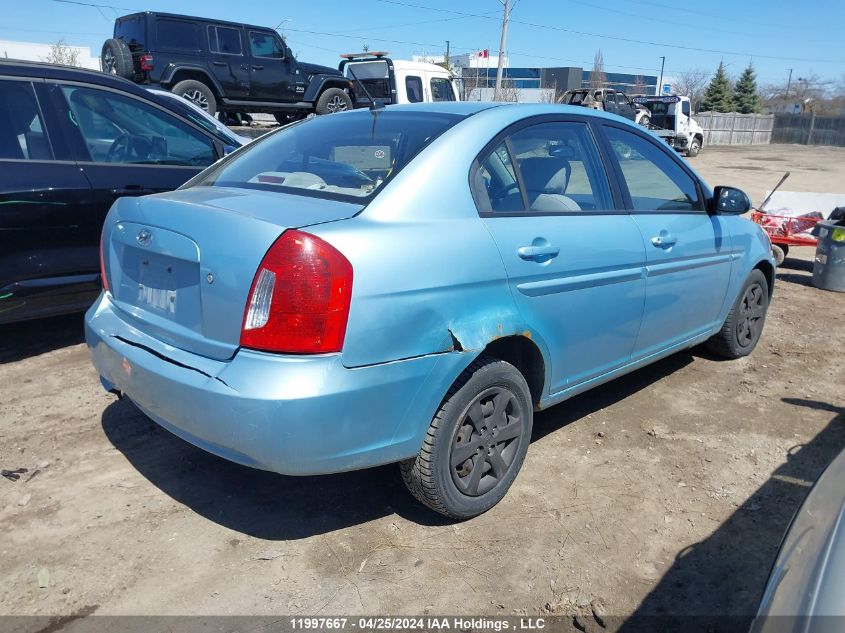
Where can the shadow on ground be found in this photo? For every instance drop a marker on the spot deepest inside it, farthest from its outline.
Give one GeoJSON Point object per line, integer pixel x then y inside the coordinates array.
{"type": "Point", "coordinates": [796, 271]}
{"type": "Point", "coordinates": [722, 578]}
{"type": "Point", "coordinates": [32, 338]}
{"type": "Point", "coordinates": [277, 507]}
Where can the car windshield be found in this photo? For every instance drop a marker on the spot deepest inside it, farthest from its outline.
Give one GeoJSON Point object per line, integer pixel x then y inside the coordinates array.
{"type": "Point", "coordinates": [340, 156]}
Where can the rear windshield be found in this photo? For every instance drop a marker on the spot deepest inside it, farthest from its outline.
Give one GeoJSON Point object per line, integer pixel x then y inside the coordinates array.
{"type": "Point", "coordinates": [341, 156]}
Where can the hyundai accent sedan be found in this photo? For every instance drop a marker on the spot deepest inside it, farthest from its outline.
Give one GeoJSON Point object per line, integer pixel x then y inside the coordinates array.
{"type": "Point", "coordinates": [485, 262]}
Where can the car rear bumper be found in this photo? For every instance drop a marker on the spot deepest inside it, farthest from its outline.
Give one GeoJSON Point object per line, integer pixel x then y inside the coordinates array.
{"type": "Point", "coordinates": [296, 415]}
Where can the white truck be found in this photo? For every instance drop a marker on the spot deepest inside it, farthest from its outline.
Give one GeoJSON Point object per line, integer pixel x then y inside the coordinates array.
{"type": "Point", "coordinates": [671, 120]}
{"type": "Point", "coordinates": [389, 81]}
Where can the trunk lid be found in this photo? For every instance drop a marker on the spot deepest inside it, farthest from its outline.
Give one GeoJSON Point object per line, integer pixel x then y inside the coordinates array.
{"type": "Point", "coordinates": [180, 265]}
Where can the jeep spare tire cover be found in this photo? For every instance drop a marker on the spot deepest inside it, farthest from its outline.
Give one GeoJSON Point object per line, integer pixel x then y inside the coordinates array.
{"type": "Point", "coordinates": [116, 59]}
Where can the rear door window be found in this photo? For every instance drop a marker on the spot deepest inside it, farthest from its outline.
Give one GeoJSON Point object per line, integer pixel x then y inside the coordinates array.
{"type": "Point", "coordinates": [178, 35]}
{"type": "Point", "coordinates": [224, 40]}
{"type": "Point", "coordinates": [22, 134]}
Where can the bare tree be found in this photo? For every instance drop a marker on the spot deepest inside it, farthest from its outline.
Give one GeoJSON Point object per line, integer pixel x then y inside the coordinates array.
{"type": "Point", "coordinates": [597, 77]}
{"type": "Point", "coordinates": [509, 92]}
{"type": "Point", "coordinates": [691, 83]}
{"type": "Point", "coordinates": [639, 86]}
{"type": "Point", "coordinates": [61, 53]}
{"type": "Point", "coordinates": [808, 94]}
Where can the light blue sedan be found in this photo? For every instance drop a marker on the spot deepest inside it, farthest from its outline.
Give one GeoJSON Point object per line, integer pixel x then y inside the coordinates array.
{"type": "Point", "coordinates": [410, 284]}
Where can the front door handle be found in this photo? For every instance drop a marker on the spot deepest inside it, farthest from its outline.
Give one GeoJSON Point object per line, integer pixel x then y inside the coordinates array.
{"type": "Point", "coordinates": [538, 253]}
{"type": "Point", "coordinates": [258, 67]}
{"type": "Point", "coordinates": [664, 240]}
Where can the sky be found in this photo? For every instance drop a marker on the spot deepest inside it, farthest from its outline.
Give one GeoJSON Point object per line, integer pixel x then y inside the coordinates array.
{"type": "Point", "coordinates": [775, 35]}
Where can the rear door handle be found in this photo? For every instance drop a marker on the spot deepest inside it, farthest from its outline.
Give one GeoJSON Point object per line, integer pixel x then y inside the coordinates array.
{"type": "Point", "coordinates": [664, 240]}
{"type": "Point", "coordinates": [131, 190]}
{"type": "Point", "coordinates": [219, 63]}
{"type": "Point", "coordinates": [535, 253]}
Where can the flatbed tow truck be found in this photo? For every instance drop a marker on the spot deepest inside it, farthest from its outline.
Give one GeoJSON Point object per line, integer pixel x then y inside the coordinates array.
{"type": "Point", "coordinates": [671, 120]}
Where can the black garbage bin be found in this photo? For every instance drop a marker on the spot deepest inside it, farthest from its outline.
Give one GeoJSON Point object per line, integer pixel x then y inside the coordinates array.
{"type": "Point", "coordinates": [829, 265]}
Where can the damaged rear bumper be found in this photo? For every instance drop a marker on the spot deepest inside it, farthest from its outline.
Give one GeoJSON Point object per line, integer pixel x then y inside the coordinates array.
{"type": "Point", "coordinates": [295, 415]}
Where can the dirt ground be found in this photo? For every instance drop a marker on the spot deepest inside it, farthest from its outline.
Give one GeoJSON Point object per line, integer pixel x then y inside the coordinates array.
{"type": "Point", "coordinates": [666, 491]}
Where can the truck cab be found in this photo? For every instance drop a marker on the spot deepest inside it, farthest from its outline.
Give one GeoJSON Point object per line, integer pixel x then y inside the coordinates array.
{"type": "Point", "coordinates": [391, 81]}
{"type": "Point", "coordinates": [671, 119]}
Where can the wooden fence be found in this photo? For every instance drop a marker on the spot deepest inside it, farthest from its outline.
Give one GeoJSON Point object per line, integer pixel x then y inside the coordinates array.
{"type": "Point", "coordinates": [732, 128]}
{"type": "Point", "coordinates": [809, 129]}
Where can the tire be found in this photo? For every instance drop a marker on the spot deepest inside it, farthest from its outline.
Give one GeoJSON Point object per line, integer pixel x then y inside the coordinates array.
{"type": "Point", "coordinates": [694, 148]}
{"type": "Point", "coordinates": [744, 325]}
{"type": "Point", "coordinates": [465, 421]}
{"type": "Point", "coordinates": [116, 59]}
{"type": "Point", "coordinates": [198, 93]}
{"type": "Point", "coordinates": [283, 118]}
{"type": "Point", "coordinates": [333, 100]}
{"type": "Point", "coordinates": [645, 121]}
{"type": "Point", "coordinates": [779, 251]}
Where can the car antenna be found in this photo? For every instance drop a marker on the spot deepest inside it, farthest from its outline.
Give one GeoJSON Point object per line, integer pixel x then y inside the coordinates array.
{"type": "Point", "coordinates": [375, 106]}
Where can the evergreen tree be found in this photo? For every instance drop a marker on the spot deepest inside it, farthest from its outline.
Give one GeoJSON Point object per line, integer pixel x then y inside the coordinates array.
{"type": "Point", "coordinates": [745, 92]}
{"type": "Point", "coordinates": [718, 96]}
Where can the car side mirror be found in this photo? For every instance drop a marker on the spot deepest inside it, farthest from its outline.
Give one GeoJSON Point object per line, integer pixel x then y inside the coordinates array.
{"type": "Point", "coordinates": [729, 201]}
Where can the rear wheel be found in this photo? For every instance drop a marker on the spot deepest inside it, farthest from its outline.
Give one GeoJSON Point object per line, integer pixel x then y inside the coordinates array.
{"type": "Point", "coordinates": [744, 325]}
{"type": "Point", "coordinates": [780, 251]}
{"type": "Point", "coordinates": [117, 59]}
{"type": "Point", "coordinates": [333, 100]}
{"type": "Point", "coordinates": [476, 442]}
{"type": "Point", "coordinates": [197, 93]}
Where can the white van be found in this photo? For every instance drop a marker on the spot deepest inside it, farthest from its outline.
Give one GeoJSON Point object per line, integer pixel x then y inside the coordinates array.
{"type": "Point", "coordinates": [396, 81]}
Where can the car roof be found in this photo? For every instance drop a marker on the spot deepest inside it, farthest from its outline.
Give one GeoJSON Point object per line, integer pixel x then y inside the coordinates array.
{"type": "Point", "coordinates": [195, 18]}
{"type": "Point", "coordinates": [508, 110]}
{"type": "Point", "coordinates": [43, 70]}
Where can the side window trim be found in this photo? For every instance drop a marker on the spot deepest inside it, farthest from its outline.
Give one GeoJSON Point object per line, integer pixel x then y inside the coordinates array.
{"type": "Point", "coordinates": [526, 207]}
{"type": "Point", "coordinates": [618, 195]}
{"type": "Point", "coordinates": [673, 156]}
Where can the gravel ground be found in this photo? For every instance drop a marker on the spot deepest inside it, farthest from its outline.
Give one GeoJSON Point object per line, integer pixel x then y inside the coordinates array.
{"type": "Point", "coordinates": [666, 491]}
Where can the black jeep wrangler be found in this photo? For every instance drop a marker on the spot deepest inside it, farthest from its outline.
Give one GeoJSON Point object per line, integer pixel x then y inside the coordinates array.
{"type": "Point", "coordinates": [222, 66]}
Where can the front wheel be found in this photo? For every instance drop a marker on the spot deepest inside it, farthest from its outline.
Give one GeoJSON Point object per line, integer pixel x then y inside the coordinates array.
{"type": "Point", "coordinates": [333, 100]}
{"type": "Point", "coordinates": [476, 442]}
{"type": "Point", "coordinates": [744, 324]}
{"type": "Point", "coordinates": [694, 148]}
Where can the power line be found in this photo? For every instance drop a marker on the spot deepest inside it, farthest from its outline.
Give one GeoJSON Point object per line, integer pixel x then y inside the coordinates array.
{"type": "Point", "coordinates": [615, 37]}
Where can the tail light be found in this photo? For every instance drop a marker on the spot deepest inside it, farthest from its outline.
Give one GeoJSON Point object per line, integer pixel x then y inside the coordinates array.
{"type": "Point", "coordinates": [146, 62]}
{"type": "Point", "coordinates": [103, 277]}
{"type": "Point", "coordinates": [299, 299]}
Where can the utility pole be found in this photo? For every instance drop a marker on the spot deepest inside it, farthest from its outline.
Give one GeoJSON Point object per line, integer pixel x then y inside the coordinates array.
{"type": "Point", "coordinates": [788, 83]}
{"type": "Point", "coordinates": [497, 94]}
{"type": "Point", "coordinates": [447, 56]}
{"type": "Point", "coordinates": [660, 83]}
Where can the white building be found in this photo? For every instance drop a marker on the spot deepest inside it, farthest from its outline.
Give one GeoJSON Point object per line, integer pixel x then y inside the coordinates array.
{"type": "Point", "coordinates": [33, 52]}
{"type": "Point", "coordinates": [480, 59]}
